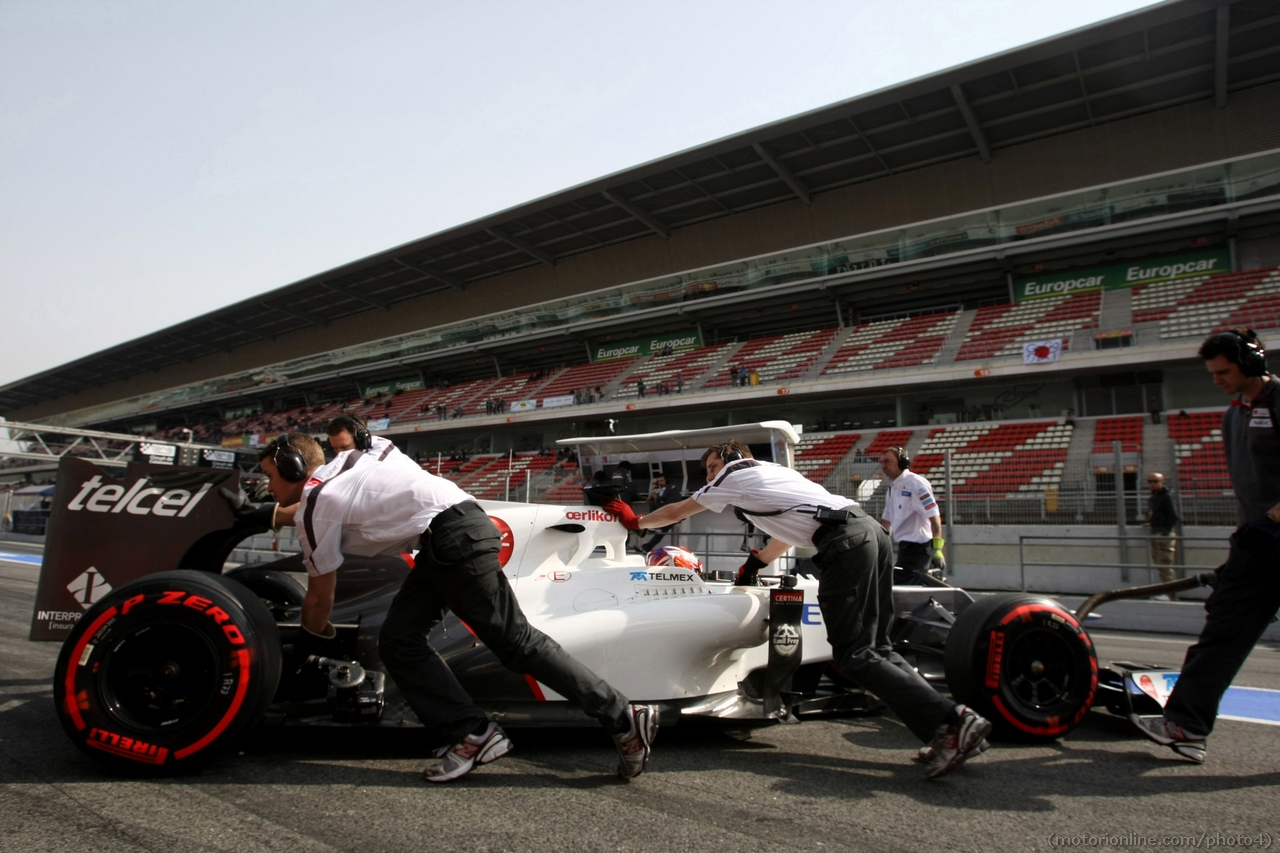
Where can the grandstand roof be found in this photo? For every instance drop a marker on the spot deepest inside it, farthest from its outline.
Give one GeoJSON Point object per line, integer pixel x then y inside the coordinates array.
{"type": "Point", "coordinates": [1162, 56]}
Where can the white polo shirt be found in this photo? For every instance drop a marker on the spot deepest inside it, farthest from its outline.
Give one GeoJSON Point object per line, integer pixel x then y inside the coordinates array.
{"type": "Point", "coordinates": [755, 486]}
{"type": "Point", "coordinates": [357, 505]}
{"type": "Point", "coordinates": [381, 449]}
{"type": "Point", "coordinates": [908, 508]}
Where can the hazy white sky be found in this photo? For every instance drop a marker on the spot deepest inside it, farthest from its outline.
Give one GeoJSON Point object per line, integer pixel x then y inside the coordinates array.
{"type": "Point", "coordinates": [162, 159]}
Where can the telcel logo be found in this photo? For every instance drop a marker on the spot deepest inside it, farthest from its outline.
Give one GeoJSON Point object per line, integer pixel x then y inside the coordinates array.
{"type": "Point", "coordinates": [137, 500]}
{"type": "Point", "coordinates": [589, 515]}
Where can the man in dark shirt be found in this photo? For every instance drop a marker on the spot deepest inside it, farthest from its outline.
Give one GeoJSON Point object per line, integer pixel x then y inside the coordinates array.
{"type": "Point", "coordinates": [660, 495]}
{"type": "Point", "coordinates": [1247, 593]}
{"type": "Point", "coordinates": [1162, 518]}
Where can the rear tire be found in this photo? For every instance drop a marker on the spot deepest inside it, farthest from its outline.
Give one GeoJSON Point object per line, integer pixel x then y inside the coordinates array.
{"type": "Point", "coordinates": [165, 671]}
{"type": "Point", "coordinates": [1023, 662]}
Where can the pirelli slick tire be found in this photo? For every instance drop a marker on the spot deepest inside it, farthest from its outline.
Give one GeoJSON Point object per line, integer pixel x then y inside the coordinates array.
{"type": "Point", "coordinates": [1024, 663]}
{"type": "Point", "coordinates": [165, 671]}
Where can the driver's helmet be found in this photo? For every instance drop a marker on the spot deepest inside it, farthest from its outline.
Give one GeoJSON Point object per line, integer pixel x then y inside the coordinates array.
{"type": "Point", "coordinates": [675, 557]}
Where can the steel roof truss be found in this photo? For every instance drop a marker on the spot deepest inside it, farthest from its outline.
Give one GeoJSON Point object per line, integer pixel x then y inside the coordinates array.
{"type": "Point", "coordinates": [975, 130]}
{"type": "Point", "coordinates": [443, 278]}
{"type": "Point", "coordinates": [651, 222]}
{"type": "Point", "coordinates": [784, 173]}
{"type": "Point", "coordinates": [520, 245]}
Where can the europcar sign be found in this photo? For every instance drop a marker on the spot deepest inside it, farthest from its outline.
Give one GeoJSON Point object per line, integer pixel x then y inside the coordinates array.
{"type": "Point", "coordinates": [677, 341]}
{"type": "Point", "coordinates": [1149, 271]}
{"type": "Point", "coordinates": [105, 531]}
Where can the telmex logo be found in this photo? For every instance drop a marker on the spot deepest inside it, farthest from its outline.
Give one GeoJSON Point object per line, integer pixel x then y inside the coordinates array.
{"type": "Point", "coordinates": [138, 500]}
{"type": "Point", "coordinates": [590, 515]}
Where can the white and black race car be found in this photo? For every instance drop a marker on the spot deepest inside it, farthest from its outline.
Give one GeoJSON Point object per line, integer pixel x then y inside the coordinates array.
{"type": "Point", "coordinates": [175, 655]}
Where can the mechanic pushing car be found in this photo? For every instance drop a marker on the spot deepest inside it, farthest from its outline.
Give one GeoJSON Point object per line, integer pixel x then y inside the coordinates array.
{"type": "Point", "coordinates": [855, 590]}
{"type": "Point", "coordinates": [1247, 593]}
{"type": "Point", "coordinates": [359, 506]}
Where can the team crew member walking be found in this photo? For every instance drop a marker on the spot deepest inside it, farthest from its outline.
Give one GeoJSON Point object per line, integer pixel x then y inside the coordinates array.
{"type": "Point", "coordinates": [356, 505]}
{"type": "Point", "coordinates": [1247, 592]}
{"type": "Point", "coordinates": [854, 589]}
{"type": "Point", "coordinates": [911, 515]}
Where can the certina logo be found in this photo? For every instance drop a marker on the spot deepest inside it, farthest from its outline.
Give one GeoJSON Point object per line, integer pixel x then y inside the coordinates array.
{"type": "Point", "coordinates": [589, 515]}
{"type": "Point", "coordinates": [89, 587]}
{"type": "Point", "coordinates": [138, 499]}
{"type": "Point", "coordinates": [786, 639]}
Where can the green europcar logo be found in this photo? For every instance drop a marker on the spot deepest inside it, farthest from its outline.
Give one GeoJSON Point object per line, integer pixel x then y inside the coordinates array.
{"type": "Point", "coordinates": [1149, 271]}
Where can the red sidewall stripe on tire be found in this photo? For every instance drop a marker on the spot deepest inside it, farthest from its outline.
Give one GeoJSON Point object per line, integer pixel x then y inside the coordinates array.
{"type": "Point", "coordinates": [1035, 730]}
{"type": "Point", "coordinates": [242, 663]}
{"type": "Point", "coordinates": [73, 710]}
{"type": "Point", "coordinates": [1025, 611]}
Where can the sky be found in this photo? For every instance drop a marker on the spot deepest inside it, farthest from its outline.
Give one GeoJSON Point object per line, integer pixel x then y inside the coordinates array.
{"type": "Point", "coordinates": [162, 159]}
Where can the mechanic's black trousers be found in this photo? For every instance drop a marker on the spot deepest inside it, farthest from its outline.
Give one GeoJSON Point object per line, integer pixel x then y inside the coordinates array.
{"type": "Point", "coordinates": [1238, 611]}
{"type": "Point", "coordinates": [457, 569]}
{"type": "Point", "coordinates": [855, 593]}
{"type": "Point", "coordinates": [913, 559]}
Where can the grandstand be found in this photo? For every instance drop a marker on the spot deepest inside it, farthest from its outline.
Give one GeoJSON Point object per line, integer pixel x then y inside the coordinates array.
{"type": "Point", "coordinates": [869, 266]}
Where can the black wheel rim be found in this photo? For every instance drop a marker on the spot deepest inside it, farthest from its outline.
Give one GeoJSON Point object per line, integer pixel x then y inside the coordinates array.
{"type": "Point", "coordinates": [160, 677]}
{"type": "Point", "coordinates": [1042, 671]}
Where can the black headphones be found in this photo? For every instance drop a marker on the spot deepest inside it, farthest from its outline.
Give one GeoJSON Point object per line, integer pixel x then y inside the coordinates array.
{"type": "Point", "coordinates": [358, 431]}
{"type": "Point", "coordinates": [1248, 351]}
{"type": "Point", "coordinates": [728, 453]}
{"type": "Point", "coordinates": [288, 461]}
{"type": "Point", "coordinates": [904, 461]}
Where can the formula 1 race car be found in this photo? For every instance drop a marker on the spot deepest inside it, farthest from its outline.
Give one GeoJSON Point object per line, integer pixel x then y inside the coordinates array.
{"type": "Point", "coordinates": [173, 657]}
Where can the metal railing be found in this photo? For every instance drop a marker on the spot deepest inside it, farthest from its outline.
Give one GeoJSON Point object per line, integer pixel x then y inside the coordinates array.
{"type": "Point", "coordinates": [1123, 547]}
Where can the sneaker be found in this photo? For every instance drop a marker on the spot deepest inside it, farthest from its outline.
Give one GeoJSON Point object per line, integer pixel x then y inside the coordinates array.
{"type": "Point", "coordinates": [635, 745]}
{"type": "Point", "coordinates": [926, 751]}
{"type": "Point", "coordinates": [460, 758]}
{"type": "Point", "coordinates": [1160, 598]}
{"type": "Point", "coordinates": [953, 744]}
{"type": "Point", "coordinates": [1162, 731]}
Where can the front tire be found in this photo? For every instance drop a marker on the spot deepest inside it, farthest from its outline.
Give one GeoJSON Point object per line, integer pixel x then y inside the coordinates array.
{"type": "Point", "coordinates": [165, 671]}
{"type": "Point", "coordinates": [1025, 663]}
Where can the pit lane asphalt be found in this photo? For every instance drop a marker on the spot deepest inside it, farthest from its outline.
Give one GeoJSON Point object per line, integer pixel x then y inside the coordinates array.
{"type": "Point", "coordinates": [845, 784]}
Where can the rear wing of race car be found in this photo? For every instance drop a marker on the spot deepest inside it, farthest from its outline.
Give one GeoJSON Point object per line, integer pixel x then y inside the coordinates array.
{"type": "Point", "coordinates": [105, 530]}
{"type": "Point", "coordinates": [772, 441]}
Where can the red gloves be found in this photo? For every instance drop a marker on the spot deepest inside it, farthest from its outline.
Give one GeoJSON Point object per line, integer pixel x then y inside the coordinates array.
{"type": "Point", "coordinates": [748, 571]}
{"type": "Point", "coordinates": [626, 517]}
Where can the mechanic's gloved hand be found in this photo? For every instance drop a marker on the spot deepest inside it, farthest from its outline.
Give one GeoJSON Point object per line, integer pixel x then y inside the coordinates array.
{"type": "Point", "coordinates": [626, 516]}
{"type": "Point", "coordinates": [750, 570]}
{"type": "Point", "coordinates": [259, 515]}
{"type": "Point", "coordinates": [310, 644]}
{"type": "Point", "coordinates": [937, 560]}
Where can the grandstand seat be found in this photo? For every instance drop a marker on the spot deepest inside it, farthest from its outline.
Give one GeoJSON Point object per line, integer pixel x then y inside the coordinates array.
{"type": "Point", "coordinates": [999, 331]}
{"type": "Point", "coordinates": [582, 376]}
{"type": "Point", "coordinates": [689, 365]}
{"type": "Point", "coordinates": [817, 455]}
{"type": "Point", "coordinates": [1127, 430]}
{"type": "Point", "coordinates": [903, 342]}
{"type": "Point", "coordinates": [1202, 463]}
{"type": "Point", "coordinates": [776, 358]}
{"type": "Point", "coordinates": [1196, 307]}
{"type": "Point", "coordinates": [998, 460]}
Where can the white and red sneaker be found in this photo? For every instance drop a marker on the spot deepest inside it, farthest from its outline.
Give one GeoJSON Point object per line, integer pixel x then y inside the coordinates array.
{"type": "Point", "coordinates": [1170, 734]}
{"type": "Point", "coordinates": [635, 746]}
{"type": "Point", "coordinates": [459, 759]}
{"type": "Point", "coordinates": [953, 744]}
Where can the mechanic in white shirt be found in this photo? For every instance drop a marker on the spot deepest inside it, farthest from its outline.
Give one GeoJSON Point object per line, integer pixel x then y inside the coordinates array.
{"type": "Point", "coordinates": [357, 505]}
{"type": "Point", "coordinates": [911, 515]}
{"type": "Point", "coordinates": [855, 590]}
{"type": "Point", "coordinates": [348, 433]}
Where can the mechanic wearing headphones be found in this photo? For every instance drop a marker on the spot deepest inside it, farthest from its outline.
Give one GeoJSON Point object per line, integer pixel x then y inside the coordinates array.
{"type": "Point", "coordinates": [348, 433]}
{"type": "Point", "coordinates": [1247, 592]}
{"type": "Point", "coordinates": [357, 505]}
{"type": "Point", "coordinates": [854, 588]}
{"type": "Point", "coordinates": [911, 515]}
